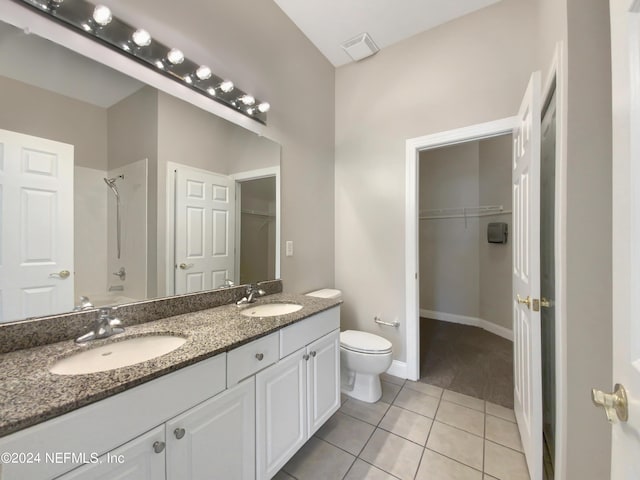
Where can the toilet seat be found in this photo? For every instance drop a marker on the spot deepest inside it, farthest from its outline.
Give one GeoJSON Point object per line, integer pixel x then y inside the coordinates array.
{"type": "Point", "coordinates": [363, 342]}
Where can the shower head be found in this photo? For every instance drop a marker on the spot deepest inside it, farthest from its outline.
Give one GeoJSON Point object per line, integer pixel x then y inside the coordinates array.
{"type": "Point", "coordinates": [111, 183]}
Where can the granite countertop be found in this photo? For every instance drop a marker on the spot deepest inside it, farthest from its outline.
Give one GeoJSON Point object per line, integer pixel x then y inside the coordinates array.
{"type": "Point", "coordinates": [30, 394]}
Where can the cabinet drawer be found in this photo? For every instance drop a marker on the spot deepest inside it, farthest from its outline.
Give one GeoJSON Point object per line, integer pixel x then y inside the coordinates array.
{"type": "Point", "coordinates": [296, 336]}
{"type": "Point", "coordinates": [251, 358]}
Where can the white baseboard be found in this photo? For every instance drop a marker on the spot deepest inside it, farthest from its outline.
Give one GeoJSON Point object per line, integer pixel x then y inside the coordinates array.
{"type": "Point", "coordinates": [472, 321]}
{"type": "Point", "coordinates": [398, 369]}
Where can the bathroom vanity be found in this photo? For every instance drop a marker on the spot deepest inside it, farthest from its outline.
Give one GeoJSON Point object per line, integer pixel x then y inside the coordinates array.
{"type": "Point", "coordinates": [236, 401]}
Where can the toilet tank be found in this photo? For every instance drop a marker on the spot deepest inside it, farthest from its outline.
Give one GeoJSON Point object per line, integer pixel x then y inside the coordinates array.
{"type": "Point", "coordinates": [326, 293]}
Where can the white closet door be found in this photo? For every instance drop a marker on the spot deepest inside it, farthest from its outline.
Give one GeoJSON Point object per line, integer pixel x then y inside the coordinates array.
{"type": "Point", "coordinates": [526, 277]}
{"type": "Point", "coordinates": [205, 230]}
{"type": "Point", "coordinates": [36, 226]}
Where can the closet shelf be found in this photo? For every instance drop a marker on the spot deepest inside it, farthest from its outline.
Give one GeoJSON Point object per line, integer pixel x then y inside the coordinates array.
{"type": "Point", "coordinates": [464, 212]}
{"type": "Point", "coordinates": [257, 213]}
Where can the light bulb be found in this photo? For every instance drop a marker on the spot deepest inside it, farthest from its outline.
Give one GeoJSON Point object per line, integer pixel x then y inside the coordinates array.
{"type": "Point", "coordinates": [226, 86]}
{"type": "Point", "coordinates": [247, 99]}
{"type": "Point", "coordinates": [175, 56]}
{"type": "Point", "coordinates": [264, 107]}
{"type": "Point", "coordinates": [203, 72]}
{"type": "Point", "coordinates": [141, 38]}
{"type": "Point", "coordinates": [102, 15]}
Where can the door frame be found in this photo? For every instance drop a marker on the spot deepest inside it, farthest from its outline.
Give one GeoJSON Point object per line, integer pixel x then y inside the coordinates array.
{"type": "Point", "coordinates": [556, 78]}
{"type": "Point", "coordinates": [257, 174]}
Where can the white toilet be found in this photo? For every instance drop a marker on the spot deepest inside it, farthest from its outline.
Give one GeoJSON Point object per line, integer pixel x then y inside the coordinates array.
{"type": "Point", "coordinates": [363, 357]}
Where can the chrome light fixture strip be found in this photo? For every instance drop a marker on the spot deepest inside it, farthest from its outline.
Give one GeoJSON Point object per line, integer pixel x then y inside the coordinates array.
{"type": "Point", "coordinates": [82, 16]}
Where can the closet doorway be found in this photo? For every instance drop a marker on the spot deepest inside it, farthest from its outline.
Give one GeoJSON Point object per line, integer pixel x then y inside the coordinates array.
{"type": "Point", "coordinates": [465, 265]}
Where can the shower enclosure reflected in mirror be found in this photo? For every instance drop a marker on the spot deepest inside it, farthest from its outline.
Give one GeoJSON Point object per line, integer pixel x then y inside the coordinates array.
{"type": "Point", "coordinates": [68, 125]}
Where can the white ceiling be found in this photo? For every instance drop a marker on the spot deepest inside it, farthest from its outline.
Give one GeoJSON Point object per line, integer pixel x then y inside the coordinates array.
{"type": "Point", "coordinates": [328, 23]}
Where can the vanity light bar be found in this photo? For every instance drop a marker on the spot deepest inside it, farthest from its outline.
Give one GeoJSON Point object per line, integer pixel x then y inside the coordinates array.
{"type": "Point", "coordinates": [99, 23]}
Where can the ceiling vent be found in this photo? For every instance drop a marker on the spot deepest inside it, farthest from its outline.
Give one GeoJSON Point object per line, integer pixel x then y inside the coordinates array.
{"type": "Point", "coordinates": [359, 47]}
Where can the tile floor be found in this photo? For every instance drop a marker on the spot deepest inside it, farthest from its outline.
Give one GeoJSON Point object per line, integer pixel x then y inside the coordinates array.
{"type": "Point", "coordinates": [416, 431]}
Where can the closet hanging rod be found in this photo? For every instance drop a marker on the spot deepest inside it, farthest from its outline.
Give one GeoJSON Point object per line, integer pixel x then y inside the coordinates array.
{"type": "Point", "coordinates": [464, 212]}
{"type": "Point", "coordinates": [257, 213]}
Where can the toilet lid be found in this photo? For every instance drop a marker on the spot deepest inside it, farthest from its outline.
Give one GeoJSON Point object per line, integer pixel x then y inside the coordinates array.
{"type": "Point", "coordinates": [364, 342]}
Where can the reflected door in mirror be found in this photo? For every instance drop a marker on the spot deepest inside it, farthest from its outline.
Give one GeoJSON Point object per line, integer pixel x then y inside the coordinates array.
{"type": "Point", "coordinates": [204, 230]}
{"type": "Point", "coordinates": [36, 196]}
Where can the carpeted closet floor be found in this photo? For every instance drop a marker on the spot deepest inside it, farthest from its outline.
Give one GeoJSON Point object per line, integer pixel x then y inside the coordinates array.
{"type": "Point", "coordinates": [467, 360]}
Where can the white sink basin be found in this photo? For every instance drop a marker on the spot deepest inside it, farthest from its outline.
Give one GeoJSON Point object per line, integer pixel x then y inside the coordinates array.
{"type": "Point", "coordinates": [270, 309]}
{"type": "Point", "coordinates": [117, 354]}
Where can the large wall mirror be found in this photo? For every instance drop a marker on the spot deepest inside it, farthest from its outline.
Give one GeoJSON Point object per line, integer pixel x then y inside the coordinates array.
{"type": "Point", "coordinates": [115, 191]}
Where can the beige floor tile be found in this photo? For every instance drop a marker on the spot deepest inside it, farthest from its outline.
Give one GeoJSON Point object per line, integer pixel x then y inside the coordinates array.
{"type": "Point", "coordinates": [487, 477]}
{"type": "Point", "coordinates": [363, 471]}
{"type": "Point", "coordinates": [464, 400]}
{"type": "Point", "coordinates": [417, 402]}
{"type": "Point", "coordinates": [424, 388]}
{"type": "Point", "coordinates": [367, 412]}
{"type": "Point", "coordinates": [346, 432]}
{"type": "Point", "coordinates": [500, 411]}
{"type": "Point", "coordinates": [389, 392]}
{"type": "Point", "coordinates": [504, 463]}
{"type": "Point", "coordinates": [456, 444]}
{"type": "Point", "coordinates": [282, 475]}
{"type": "Point", "coordinates": [407, 424]}
{"type": "Point", "coordinates": [392, 379]}
{"type": "Point", "coordinates": [393, 454]}
{"type": "Point", "coordinates": [461, 417]}
{"type": "Point", "coordinates": [319, 460]}
{"type": "Point", "coordinates": [437, 467]}
{"type": "Point", "coordinates": [503, 432]}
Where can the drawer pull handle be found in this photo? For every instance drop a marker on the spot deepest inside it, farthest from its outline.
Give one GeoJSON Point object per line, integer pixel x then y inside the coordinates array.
{"type": "Point", "coordinates": [313, 353]}
{"type": "Point", "coordinates": [179, 433]}
{"type": "Point", "coordinates": [158, 447]}
{"type": "Point", "coordinates": [259, 356]}
{"type": "Point", "coordinates": [305, 356]}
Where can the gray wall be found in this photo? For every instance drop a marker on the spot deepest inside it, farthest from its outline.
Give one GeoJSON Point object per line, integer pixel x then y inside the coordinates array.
{"type": "Point", "coordinates": [34, 111]}
{"type": "Point", "coordinates": [471, 70]}
{"type": "Point", "coordinates": [274, 61]}
{"type": "Point", "coordinates": [460, 272]}
{"type": "Point", "coordinates": [449, 248]}
{"type": "Point", "coordinates": [495, 259]}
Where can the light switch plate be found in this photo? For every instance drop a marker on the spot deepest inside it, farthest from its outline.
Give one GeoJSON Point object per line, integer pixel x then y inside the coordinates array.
{"type": "Point", "coordinates": [288, 247]}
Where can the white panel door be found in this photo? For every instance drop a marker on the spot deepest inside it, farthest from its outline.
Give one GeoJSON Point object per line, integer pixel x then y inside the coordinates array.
{"type": "Point", "coordinates": [526, 277]}
{"type": "Point", "coordinates": [323, 380]}
{"type": "Point", "coordinates": [135, 460]}
{"type": "Point", "coordinates": [216, 439]}
{"type": "Point", "coordinates": [281, 413]}
{"type": "Point", "coordinates": [36, 226]}
{"type": "Point", "coordinates": [204, 230]}
{"type": "Point", "coordinates": [625, 65]}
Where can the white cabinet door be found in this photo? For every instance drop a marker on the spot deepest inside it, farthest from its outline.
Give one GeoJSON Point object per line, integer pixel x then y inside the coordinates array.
{"type": "Point", "coordinates": [139, 459]}
{"type": "Point", "coordinates": [281, 413]}
{"type": "Point", "coordinates": [216, 439]}
{"type": "Point", "coordinates": [323, 380]}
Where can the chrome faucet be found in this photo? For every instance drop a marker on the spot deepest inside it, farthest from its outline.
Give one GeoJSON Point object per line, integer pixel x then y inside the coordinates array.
{"type": "Point", "coordinates": [250, 297]}
{"type": "Point", "coordinates": [85, 304]}
{"type": "Point", "coordinates": [105, 325]}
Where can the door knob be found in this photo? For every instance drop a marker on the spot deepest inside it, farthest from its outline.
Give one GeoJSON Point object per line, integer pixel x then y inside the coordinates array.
{"type": "Point", "coordinates": [61, 274]}
{"type": "Point", "coordinates": [259, 356]}
{"type": "Point", "coordinates": [185, 266]}
{"type": "Point", "coordinates": [524, 301]}
{"type": "Point", "coordinates": [546, 303]}
{"type": "Point", "coordinates": [179, 433]}
{"type": "Point", "coordinates": [615, 404]}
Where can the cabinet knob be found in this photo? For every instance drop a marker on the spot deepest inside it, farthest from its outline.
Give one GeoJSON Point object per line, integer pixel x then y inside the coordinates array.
{"type": "Point", "coordinates": [259, 356]}
{"type": "Point", "coordinates": [313, 353]}
{"type": "Point", "coordinates": [179, 433]}
{"type": "Point", "coordinates": [305, 356]}
{"type": "Point", "coordinates": [158, 446]}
